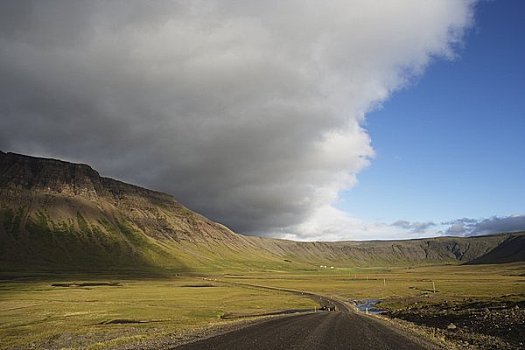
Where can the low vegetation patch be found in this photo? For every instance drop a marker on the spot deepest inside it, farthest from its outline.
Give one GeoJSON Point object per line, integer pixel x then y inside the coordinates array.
{"type": "Point", "coordinates": [87, 284]}
{"type": "Point", "coordinates": [124, 321]}
{"type": "Point", "coordinates": [201, 285]}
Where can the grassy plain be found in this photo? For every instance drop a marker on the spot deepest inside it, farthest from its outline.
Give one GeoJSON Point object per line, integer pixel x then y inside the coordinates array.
{"type": "Point", "coordinates": [399, 286]}
{"type": "Point", "coordinates": [35, 313]}
{"type": "Point", "coordinates": [96, 317]}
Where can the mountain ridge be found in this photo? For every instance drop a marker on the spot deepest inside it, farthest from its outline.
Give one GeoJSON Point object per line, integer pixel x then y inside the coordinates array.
{"type": "Point", "coordinates": [55, 214]}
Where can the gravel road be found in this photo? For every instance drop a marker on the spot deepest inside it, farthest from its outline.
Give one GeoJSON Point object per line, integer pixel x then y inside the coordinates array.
{"type": "Point", "coordinates": [336, 330]}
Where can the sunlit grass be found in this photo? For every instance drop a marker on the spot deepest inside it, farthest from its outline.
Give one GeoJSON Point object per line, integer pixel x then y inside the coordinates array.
{"type": "Point", "coordinates": [405, 285]}
{"type": "Point", "coordinates": [32, 312]}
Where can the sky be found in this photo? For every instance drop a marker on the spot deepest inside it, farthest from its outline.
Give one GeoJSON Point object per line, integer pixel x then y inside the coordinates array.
{"type": "Point", "coordinates": [296, 119]}
{"type": "Point", "coordinates": [461, 148]}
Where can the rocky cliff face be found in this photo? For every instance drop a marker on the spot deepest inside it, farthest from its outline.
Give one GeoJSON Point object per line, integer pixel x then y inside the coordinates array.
{"type": "Point", "coordinates": [48, 175]}
{"type": "Point", "coordinates": [59, 215]}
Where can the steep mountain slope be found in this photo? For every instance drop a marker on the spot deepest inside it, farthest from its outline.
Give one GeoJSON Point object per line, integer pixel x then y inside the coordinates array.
{"type": "Point", "coordinates": [511, 249]}
{"type": "Point", "coordinates": [55, 213]}
{"type": "Point", "coordinates": [59, 215]}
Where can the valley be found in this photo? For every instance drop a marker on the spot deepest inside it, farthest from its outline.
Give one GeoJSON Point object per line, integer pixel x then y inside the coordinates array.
{"type": "Point", "coordinates": [88, 262]}
{"type": "Point", "coordinates": [79, 311]}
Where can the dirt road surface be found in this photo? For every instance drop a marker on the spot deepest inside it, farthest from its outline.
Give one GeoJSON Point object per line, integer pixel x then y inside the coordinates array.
{"type": "Point", "coordinates": [336, 330]}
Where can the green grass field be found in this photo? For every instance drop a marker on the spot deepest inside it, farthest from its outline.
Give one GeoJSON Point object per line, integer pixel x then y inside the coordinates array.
{"type": "Point", "coordinates": [35, 313]}
{"type": "Point", "coordinates": [452, 282]}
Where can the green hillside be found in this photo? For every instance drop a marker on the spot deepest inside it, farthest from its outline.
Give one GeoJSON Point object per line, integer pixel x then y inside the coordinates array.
{"type": "Point", "coordinates": [56, 215]}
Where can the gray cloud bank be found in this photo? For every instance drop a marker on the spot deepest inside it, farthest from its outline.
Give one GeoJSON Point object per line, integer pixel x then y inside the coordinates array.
{"type": "Point", "coordinates": [459, 227]}
{"type": "Point", "coordinates": [249, 112]}
{"type": "Point", "coordinates": [496, 224]}
{"type": "Point", "coordinates": [413, 226]}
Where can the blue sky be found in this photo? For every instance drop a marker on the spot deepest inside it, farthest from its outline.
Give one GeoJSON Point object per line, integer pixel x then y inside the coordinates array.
{"type": "Point", "coordinates": [452, 144]}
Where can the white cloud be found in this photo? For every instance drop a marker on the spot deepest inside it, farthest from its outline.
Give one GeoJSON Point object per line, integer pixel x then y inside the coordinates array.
{"type": "Point", "coordinates": [330, 224]}
{"type": "Point", "coordinates": [249, 112]}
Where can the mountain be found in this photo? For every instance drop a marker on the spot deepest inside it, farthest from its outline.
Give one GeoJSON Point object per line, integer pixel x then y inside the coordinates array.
{"type": "Point", "coordinates": [511, 249]}
{"type": "Point", "coordinates": [59, 214]}
{"type": "Point", "coordinates": [56, 215]}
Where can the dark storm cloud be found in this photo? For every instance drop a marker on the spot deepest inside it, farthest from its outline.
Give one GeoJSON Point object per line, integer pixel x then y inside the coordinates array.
{"type": "Point", "coordinates": [248, 112]}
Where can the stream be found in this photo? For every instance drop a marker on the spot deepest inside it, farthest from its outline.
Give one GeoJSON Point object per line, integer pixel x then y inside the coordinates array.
{"type": "Point", "coordinates": [368, 304]}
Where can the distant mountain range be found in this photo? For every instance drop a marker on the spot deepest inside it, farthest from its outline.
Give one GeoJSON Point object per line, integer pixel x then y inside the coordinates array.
{"type": "Point", "coordinates": [56, 215]}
